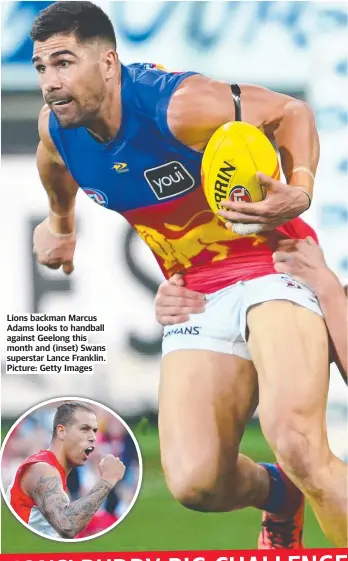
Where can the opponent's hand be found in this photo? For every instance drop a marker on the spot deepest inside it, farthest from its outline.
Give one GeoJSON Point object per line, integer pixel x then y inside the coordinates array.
{"type": "Point", "coordinates": [111, 469]}
{"type": "Point", "coordinates": [54, 250]}
{"type": "Point", "coordinates": [303, 260]}
{"type": "Point", "coordinates": [281, 204]}
{"type": "Point", "coordinates": [174, 303]}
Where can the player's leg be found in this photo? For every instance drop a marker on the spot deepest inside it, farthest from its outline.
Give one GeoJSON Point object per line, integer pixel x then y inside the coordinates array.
{"type": "Point", "coordinates": [289, 347]}
{"type": "Point", "coordinates": [205, 400]}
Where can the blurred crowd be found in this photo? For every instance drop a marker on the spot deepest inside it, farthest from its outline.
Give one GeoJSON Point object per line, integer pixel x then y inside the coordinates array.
{"type": "Point", "coordinates": [34, 433]}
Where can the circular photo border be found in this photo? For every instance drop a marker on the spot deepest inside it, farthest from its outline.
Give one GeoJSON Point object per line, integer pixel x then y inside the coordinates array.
{"type": "Point", "coordinates": [137, 447]}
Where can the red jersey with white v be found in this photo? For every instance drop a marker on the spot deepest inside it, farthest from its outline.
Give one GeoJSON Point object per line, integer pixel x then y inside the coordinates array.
{"type": "Point", "coordinates": [22, 504]}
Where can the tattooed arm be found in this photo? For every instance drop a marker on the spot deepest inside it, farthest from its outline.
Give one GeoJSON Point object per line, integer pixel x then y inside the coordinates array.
{"type": "Point", "coordinates": [43, 484]}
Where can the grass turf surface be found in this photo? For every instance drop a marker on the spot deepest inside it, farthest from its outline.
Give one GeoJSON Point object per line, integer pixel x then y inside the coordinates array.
{"type": "Point", "coordinates": [157, 522]}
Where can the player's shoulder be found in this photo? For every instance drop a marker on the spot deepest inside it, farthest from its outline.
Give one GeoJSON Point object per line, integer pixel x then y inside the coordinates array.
{"type": "Point", "coordinates": [46, 142]}
{"type": "Point", "coordinates": [198, 106]}
{"type": "Point", "coordinates": [42, 467]}
{"type": "Point", "coordinates": [200, 91]}
{"type": "Point", "coordinates": [40, 472]}
{"type": "Point", "coordinates": [152, 85]}
{"type": "Point", "coordinates": [44, 128]}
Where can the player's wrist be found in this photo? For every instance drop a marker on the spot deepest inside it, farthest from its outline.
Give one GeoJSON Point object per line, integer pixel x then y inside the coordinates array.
{"type": "Point", "coordinates": [303, 179]}
{"type": "Point", "coordinates": [61, 224]}
{"type": "Point", "coordinates": [109, 482]}
{"type": "Point", "coordinates": [324, 282]}
{"type": "Point", "coordinates": [306, 192]}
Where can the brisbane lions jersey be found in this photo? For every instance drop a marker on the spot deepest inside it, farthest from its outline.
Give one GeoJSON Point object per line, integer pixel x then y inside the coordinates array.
{"type": "Point", "coordinates": [146, 174]}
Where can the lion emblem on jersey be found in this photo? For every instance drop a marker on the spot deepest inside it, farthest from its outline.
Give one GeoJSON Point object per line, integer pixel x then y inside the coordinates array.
{"type": "Point", "coordinates": [177, 253]}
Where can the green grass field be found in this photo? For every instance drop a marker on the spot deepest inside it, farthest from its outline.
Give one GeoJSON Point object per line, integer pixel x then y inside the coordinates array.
{"type": "Point", "coordinates": [157, 522]}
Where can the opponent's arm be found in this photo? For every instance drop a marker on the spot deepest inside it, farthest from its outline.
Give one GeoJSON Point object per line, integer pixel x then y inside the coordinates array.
{"type": "Point", "coordinates": [201, 105]}
{"type": "Point", "coordinates": [43, 484]}
{"type": "Point", "coordinates": [304, 260]}
{"type": "Point", "coordinates": [174, 303]}
{"type": "Point", "coordinates": [333, 302]}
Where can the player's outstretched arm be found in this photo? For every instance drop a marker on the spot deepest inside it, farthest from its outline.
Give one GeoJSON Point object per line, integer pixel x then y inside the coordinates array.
{"type": "Point", "coordinates": [304, 260]}
{"type": "Point", "coordinates": [201, 105]}
{"type": "Point", "coordinates": [43, 484]}
{"type": "Point", "coordinates": [54, 239]}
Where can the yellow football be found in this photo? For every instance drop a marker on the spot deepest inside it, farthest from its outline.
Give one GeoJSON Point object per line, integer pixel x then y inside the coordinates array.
{"type": "Point", "coordinates": [233, 155]}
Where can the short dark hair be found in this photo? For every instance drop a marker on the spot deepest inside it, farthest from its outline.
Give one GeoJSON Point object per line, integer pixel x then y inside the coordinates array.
{"type": "Point", "coordinates": [84, 19]}
{"type": "Point", "coordinates": [65, 414]}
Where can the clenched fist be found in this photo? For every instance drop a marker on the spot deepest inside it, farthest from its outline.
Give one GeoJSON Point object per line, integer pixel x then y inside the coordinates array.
{"type": "Point", "coordinates": [54, 250]}
{"type": "Point", "coordinates": [111, 469]}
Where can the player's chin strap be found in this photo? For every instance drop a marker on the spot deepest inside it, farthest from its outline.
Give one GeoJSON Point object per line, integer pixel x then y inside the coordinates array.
{"type": "Point", "coordinates": [236, 100]}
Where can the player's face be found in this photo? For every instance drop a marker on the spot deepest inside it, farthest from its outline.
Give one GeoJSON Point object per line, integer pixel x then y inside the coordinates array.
{"type": "Point", "coordinates": [72, 78]}
{"type": "Point", "coordinates": [79, 438]}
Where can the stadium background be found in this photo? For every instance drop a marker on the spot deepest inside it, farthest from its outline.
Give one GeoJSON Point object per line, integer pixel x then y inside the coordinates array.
{"type": "Point", "coordinates": [294, 47]}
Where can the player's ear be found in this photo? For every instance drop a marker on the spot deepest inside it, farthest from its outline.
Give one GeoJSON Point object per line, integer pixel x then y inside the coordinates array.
{"type": "Point", "coordinates": [110, 61]}
{"type": "Point", "coordinates": [61, 432]}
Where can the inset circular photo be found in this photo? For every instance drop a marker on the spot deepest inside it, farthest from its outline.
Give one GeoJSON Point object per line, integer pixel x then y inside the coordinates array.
{"type": "Point", "coordinates": [71, 469]}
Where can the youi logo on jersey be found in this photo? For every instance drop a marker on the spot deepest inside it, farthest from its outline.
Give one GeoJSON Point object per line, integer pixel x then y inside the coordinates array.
{"type": "Point", "coordinates": [169, 180]}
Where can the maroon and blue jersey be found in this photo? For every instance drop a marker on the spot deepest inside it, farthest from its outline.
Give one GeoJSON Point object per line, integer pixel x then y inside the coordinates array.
{"type": "Point", "coordinates": [146, 174]}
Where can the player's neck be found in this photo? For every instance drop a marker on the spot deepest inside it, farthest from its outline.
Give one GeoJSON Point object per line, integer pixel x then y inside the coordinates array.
{"type": "Point", "coordinates": [107, 123]}
{"type": "Point", "coordinates": [57, 450]}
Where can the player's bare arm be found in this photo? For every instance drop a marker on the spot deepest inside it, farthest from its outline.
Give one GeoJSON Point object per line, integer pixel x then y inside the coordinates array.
{"type": "Point", "coordinates": [304, 260]}
{"type": "Point", "coordinates": [54, 239]}
{"type": "Point", "coordinates": [56, 179]}
{"type": "Point", "coordinates": [43, 484]}
{"type": "Point", "coordinates": [201, 105]}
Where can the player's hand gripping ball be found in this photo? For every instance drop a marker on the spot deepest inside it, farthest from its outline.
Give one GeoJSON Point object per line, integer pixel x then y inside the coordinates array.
{"type": "Point", "coordinates": [233, 155]}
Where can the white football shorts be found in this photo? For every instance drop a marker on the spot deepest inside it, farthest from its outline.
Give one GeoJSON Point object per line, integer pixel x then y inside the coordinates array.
{"type": "Point", "coordinates": [222, 327]}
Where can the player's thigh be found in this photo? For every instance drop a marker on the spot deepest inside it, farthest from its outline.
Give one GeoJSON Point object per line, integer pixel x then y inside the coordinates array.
{"type": "Point", "coordinates": [289, 347]}
{"type": "Point", "coordinates": [205, 401]}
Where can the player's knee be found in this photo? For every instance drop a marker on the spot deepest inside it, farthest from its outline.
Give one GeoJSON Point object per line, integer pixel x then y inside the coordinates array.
{"type": "Point", "coordinates": [293, 446]}
{"type": "Point", "coordinates": [192, 494]}
{"type": "Point", "coordinates": [197, 489]}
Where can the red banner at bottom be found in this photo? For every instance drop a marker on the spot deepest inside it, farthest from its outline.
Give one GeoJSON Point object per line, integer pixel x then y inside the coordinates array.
{"type": "Point", "coordinates": [226, 555]}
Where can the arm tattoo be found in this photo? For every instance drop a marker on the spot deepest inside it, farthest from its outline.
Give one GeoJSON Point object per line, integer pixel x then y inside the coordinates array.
{"type": "Point", "coordinates": [67, 518]}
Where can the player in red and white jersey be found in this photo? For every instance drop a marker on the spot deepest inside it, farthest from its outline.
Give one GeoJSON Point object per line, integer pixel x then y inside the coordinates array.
{"type": "Point", "coordinates": [38, 491]}
{"type": "Point", "coordinates": [23, 504]}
